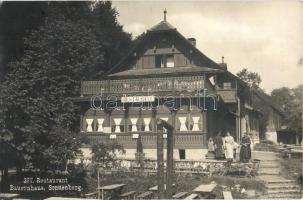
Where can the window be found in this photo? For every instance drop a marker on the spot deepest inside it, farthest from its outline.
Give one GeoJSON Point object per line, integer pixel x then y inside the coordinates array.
{"type": "Point", "coordinates": [227, 85]}
{"type": "Point", "coordinates": [164, 61]}
{"type": "Point", "coordinates": [117, 125]}
{"type": "Point", "coordinates": [170, 61]}
{"type": "Point", "coordinates": [183, 123]}
{"type": "Point", "coordinates": [159, 61]}
{"type": "Point", "coordinates": [182, 154]}
{"type": "Point", "coordinates": [89, 125]}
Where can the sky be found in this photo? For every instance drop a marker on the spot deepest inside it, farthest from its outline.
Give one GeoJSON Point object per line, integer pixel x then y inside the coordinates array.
{"type": "Point", "coordinates": [264, 36]}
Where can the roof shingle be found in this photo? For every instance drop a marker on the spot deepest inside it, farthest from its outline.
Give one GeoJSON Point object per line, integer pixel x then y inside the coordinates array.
{"type": "Point", "coordinates": [162, 26]}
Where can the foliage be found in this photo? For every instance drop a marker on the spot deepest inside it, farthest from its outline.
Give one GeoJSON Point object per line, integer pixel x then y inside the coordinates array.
{"type": "Point", "coordinates": [77, 175]}
{"type": "Point", "coordinates": [39, 116]}
{"type": "Point", "coordinates": [110, 33]}
{"type": "Point", "coordinates": [253, 79]}
{"type": "Point", "coordinates": [105, 154]}
{"type": "Point", "coordinates": [292, 168]}
{"type": "Point", "coordinates": [141, 183]}
{"type": "Point", "coordinates": [49, 47]}
{"type": "Point", "coordinates": [16, 20]}
{"type": "Point", "coordinates": [291, 101]}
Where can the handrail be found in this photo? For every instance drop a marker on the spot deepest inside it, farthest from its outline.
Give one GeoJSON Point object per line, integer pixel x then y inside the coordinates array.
{"type": "Point", "coordinates": [193, 83]}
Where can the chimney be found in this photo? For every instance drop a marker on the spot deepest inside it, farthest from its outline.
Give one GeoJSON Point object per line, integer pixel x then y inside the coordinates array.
{"type": "Point", "coordinates": [223, 64]}
{"type": "Point", "coordinates": [192, 41]}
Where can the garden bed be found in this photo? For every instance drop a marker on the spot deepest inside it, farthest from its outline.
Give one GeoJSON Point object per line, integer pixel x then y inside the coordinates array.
{"type": "Point", "coordinates": [187, 183]}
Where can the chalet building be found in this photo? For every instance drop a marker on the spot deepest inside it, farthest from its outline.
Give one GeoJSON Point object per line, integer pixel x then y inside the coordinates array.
{"type": "Point", "coordinates": [166, 77]}
{"type": "Point", "coordinates": [275, 130]}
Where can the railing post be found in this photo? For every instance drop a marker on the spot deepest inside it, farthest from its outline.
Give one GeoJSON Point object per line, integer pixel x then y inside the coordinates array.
{"type": "Point", "coordinates": [170, 156]}
{"type": "Point", "coordinates": [160, 163]}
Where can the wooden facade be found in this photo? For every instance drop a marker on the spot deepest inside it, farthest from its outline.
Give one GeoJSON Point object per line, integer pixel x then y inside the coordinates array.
{"type": "Point", "coordinates": [174, 80]}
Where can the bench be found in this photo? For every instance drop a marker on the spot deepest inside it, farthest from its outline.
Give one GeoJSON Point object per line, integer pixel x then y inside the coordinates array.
{"type": "Point", "coordinates": [67, 198]}
{"type": "Point", "coordinates": [227, 195]}
{"type": "Point", "coordinates": [128, 195]}
{"type": "Point", "coordinates": [92, 194]}
{"type": "Point", "coordinates": [180, 195]}
{"type": "Point", "coordinates": [8, 195]}
{"type": "Point", "coordinates": [192, 196]}
{"type": "Point", "coordinates": [145, 195]}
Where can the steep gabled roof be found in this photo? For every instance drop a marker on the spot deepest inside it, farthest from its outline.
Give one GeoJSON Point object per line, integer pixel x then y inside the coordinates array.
{"type": "Point", "coordinates": [268, 100]}
{"type": "Point", "coordinates": [163, 26]}
{"type": "Point", "coordinates": [258, 93]}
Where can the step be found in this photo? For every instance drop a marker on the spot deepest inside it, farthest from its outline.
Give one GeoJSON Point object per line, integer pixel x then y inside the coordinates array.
{"type": "Point", "coordinates": [281, 186]}
{"type": "Point", "coordinates": [268, 172]}
{"type": "Point", "coordinates": [269, 165]}
{"type": "Point", "coordinates": [271, 179]}
{"type": "Point", "coordinates": [266, 161]}
{"type": "Point", "coordinates": [264, 153]}
{"type": "Point", "coordinates": [279, 181]}
{"type": "Point", "coordinates": [284, 196]}
{"type": "Point", "coordinates": [284, 191]}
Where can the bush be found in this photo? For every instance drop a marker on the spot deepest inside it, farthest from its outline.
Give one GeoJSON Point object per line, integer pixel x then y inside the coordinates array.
{"type": "Point", "coordinates": [292, 168]}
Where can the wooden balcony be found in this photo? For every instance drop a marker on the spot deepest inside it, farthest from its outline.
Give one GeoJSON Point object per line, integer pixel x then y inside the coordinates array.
{"type": "Point", "coordinates": [146, 85]}
{"type": "Point", "coordinates": [228, 95]}
{"type": "Point", "coordinates": [190, 140]}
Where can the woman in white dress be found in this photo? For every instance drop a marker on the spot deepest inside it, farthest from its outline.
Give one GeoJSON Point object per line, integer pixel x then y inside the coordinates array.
{"type": "Point", "coordinates": [229, 146]}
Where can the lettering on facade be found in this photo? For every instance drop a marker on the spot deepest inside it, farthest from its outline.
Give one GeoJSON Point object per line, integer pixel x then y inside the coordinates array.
{"type": "Point", "coordinates": [131, 99]}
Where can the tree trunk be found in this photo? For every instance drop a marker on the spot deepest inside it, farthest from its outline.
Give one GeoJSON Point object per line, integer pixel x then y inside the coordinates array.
{"type": "Point", "coordinates": [18, 171]}
{"type": "Point", "coordinates": [4, 180]}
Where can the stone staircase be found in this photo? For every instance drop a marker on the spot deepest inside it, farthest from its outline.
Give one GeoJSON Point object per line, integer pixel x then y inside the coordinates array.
{"type": "Point", "coordinates": [277, 187]}
{"type": "Point", "coordinates": [269, 167]}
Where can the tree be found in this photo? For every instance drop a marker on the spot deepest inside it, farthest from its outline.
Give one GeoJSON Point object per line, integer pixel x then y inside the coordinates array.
{"type": "Point", "coordinates": [253, 79]}
{"type": "Point", "coordinates": [61, 44]}
{"type": "Point", "coordinates": [16, 20]}
{"type": "Point", "coordinates": [282, 96]}
{"type": "Point", "coordinates": [40, 116]}
{"type": "Point", "coordinates": [105, 154]}
{"type": "Point", "coordinates": [110, 33]}
{"type": "Point", "coordinates": [291, 101]}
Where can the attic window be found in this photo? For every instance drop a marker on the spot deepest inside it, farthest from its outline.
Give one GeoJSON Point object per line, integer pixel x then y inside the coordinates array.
{"type": "Point", "coordinates": [164, 61]}
{"type": "Point", "coordinates": [227, 85]}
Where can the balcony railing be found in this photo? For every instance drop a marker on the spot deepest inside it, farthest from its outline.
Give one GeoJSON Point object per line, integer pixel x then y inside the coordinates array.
{"type": "Point", "coordinates": [184, 140]}
{"type": "Point", "coordinates": [169, 84]}
{"type": "Point", "coordinates": [228, 95]}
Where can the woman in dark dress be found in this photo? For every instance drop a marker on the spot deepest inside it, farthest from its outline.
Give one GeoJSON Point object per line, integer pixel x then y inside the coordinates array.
{"type": "Point", "coordinates": [219, 151]}
{"type": "Point", "coordinates": [245, 151]}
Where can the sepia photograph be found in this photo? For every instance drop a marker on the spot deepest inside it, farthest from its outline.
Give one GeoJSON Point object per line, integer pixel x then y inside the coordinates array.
{"type": "Point", "coordinates": [165, 99]}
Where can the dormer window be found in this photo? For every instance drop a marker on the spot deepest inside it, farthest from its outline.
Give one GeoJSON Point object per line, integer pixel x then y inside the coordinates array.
{"type": "Point", "coordinates": [227, 85]}
{"type": "Point", "coordinates": [164, 61]}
